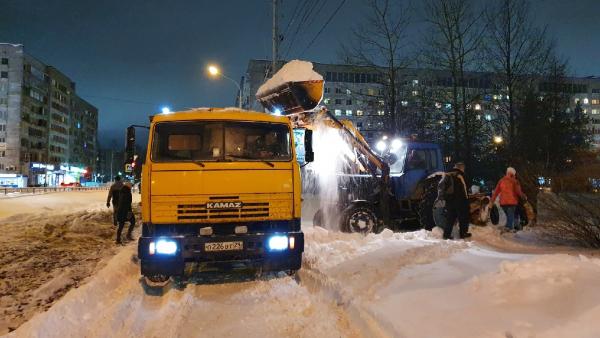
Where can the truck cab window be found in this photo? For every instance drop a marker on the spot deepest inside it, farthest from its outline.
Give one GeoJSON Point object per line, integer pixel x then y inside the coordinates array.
{"type": "Point", "coordinates": [212, 141]}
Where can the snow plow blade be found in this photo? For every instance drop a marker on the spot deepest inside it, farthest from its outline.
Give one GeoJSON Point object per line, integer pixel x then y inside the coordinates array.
{"type": "Point", "coordinates": [293, 97]}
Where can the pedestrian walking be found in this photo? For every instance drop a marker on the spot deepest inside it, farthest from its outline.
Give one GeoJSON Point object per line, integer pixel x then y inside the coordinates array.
{"type": "Point", "coordinates": [124, 212]}
{"type": "Point", "coordinates": [452, 193]}
{"type": "Point", "coordinates": [113, 194]}
{"type": "Point", "coordinates": [509, 190]}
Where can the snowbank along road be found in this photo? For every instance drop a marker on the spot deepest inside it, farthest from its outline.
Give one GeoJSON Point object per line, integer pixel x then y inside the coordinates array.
{"type": "Point", "coordinates": [386, 285]}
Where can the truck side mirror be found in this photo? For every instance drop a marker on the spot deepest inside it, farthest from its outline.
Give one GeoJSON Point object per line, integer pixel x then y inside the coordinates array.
{"type": "Point", "coordinates": [309, 155]}
{"type": "Point", "coordinates": [130, 144]}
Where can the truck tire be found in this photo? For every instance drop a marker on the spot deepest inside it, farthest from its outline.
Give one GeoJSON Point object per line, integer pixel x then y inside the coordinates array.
{"type": "Point", "coordinates": [425, 209]}
{"type": "Point", "coordinates": [358, 218]}
{"type": "Point", "coordinates": [156, 285]}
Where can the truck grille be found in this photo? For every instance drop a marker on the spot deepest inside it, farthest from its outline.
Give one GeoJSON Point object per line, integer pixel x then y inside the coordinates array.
{"type": "Point", "coordinates": [201, 212]}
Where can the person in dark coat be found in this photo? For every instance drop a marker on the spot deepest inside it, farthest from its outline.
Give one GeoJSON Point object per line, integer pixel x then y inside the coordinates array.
{"type": "Point", "coordinates": [124, 212]}
{"type": "Point", "coordinates": [452, 190]}
{"type": "Point", "coordinates": [113, 194]}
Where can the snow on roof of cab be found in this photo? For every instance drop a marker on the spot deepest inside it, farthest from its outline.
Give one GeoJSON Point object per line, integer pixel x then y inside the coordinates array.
{"type": "Point", "coordinates": [295, 70]}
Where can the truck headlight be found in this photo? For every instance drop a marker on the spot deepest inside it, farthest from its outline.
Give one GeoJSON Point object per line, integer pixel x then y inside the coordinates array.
{"type": "Point", "coordinates": [278, 243]}
{"type": "Point", "coordinates": [163, 247]}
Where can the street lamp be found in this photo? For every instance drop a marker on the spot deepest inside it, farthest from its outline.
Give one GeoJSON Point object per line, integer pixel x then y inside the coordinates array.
{"type": "Point", "coordinates": [498, 139]}
{"type": "Point", "coordinates": [214, 71]}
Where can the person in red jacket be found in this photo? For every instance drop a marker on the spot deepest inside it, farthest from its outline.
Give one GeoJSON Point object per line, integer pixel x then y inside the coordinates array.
{"type": "Point", "coordinates": [509, 190]}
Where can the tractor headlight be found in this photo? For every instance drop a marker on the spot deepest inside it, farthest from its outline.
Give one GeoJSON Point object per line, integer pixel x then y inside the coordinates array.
{"type": "Point", "coordinates": [163, 247]}
{"type": "Point", "coordinates": [278, 243]}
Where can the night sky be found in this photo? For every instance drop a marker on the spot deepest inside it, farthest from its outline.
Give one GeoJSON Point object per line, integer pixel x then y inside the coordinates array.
{"type": "Point", "coordinates": [130, 58]}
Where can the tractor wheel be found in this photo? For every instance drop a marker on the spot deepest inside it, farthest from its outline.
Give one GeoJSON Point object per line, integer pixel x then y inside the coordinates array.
{"type": "Point", "coordinates": [359, 219]}
{"type": "Point", "coordinates": [425, 209]}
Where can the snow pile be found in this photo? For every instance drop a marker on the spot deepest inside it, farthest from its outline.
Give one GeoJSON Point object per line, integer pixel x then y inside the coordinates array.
{"type": "Point", "coordinates": [532, 297]}
{"type": "Point", "coordinates": [325, 249]}
{"type": "Point", "coordinates": [55, 203]}
{"type": "Point", "coordinates": [295, 70]}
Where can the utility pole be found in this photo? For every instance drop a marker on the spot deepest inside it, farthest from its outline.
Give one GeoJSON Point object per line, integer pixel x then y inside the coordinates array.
{"type": "Point", "coordinates": [275, 37]}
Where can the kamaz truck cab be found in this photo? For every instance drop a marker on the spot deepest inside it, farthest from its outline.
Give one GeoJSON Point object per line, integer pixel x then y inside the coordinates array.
{"type": "Point", "coordinates": [219, 186]}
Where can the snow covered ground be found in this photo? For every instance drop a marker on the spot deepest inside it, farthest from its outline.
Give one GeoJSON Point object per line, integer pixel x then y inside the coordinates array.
{"type": "Point", "coordinates": [387, 285]}
{"type": "Point", "coordinates": [50, 243]}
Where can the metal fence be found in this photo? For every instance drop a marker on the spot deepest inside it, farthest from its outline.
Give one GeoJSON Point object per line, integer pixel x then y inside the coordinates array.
{"type": "Point", "coordinates": [43, 190]}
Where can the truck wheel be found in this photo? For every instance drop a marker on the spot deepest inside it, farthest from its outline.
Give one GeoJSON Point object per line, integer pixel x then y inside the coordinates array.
{"type": "Point", "coordinates": [359, 219]}
{"type": "Point", "coordinates": [425, 209]}
{"type": "Point", "coordinates": [155, 285]}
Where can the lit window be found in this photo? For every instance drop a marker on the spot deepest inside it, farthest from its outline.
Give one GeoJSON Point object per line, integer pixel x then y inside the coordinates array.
{"type": "Point", "coordinates": [348, 112]}
{"type": "Point", "coordinates": [326, 100]}
{"type": "Point", "coordinates": [415, 82]}
{"type": "Point", "coordinates": [595, 101]}
{"type": "Point", "coordinates": [594, 111]}
{"type": "Point", "coordinates": [415, 92]}
{"type": "Point", "coordinates": [576, 101]}
{"type": "Point", "coordinates": [477, 106]}
{"type": "Point", "coordinates": [586, 101]}
{"type": "Point", "coordinates": [359, 113]}
{"type": "Point", "coordinates": [438, 105]}
{"type": "Point", "coordinates": [338, 112]}
{"type": "Point", "coordinates": [488, 117]}
{"type": "Point", "coordinates": [348, 92]}
{"type": "Point", "coordinates": [380, 112]}
{"type": "Point", "coordinates": [404, 103]}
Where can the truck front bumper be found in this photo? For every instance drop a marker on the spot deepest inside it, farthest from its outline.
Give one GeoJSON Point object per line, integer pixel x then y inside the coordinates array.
{"type": "Point", "coordinates": [255, 252]}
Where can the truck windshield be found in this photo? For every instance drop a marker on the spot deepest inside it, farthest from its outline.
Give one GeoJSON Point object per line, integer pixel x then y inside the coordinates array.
{"type": "Point", "coordinates": [221, 141]}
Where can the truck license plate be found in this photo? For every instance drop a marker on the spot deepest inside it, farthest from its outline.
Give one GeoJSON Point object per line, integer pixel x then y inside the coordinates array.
{"type": "Point", "coordinates": [223, 246]}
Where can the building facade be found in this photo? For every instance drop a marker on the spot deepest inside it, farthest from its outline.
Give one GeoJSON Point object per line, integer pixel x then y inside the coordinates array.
{"type": "Point", "coordinates": [48, 134]}
{"type": "Point", "coordinates": [355, 93]}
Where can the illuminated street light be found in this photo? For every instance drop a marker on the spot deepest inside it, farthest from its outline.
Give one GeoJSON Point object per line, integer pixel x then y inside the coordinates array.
{"type": "Point", "coordinates": [214, 71]}
{"type": "Point", "coordinates": [498, 139]}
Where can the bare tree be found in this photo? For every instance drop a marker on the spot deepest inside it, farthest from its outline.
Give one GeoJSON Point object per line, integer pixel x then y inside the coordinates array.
{"type": "Point", "coordinates": [379, 44]}
{"type": "Point", "coordinates": [452, 44]}
{"type": "Point", "coordinates": [516, 50]}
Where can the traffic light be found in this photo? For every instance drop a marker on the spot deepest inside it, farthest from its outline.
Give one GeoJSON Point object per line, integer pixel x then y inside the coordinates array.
{"type": "Point", "coordinates": [130, 144]}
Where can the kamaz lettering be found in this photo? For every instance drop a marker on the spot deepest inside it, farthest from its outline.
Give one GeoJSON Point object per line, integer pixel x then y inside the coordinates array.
{"type": "Point", "coordinates": [223, 205]}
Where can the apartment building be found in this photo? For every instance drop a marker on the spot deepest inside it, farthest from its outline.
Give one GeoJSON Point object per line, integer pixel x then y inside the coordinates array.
{"type": "Point", "coordinates": [47, 133]}
{"type": "Point", "coordinates": [355, 93]}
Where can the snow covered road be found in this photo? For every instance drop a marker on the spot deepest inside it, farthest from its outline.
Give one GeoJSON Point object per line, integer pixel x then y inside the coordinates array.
{"type": "Point", "coordinates": [391, 284]}
{"type": "Point", "coordinates": [387, 285]}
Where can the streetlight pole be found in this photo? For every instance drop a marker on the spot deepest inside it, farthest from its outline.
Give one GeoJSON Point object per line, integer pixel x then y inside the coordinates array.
{"type": "Point", "coordinates": [215, 71]}
{"type": "Point", "coordinates": [238, 87]}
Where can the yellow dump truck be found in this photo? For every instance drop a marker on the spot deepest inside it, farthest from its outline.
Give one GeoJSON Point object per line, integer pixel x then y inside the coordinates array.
{"type": "Point", "coordinates": [219, 186]}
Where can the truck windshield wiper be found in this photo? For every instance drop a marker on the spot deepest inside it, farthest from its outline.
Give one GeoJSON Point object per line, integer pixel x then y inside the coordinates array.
{"type": "Point", "coordinates": [270, 164]}
{"type": "Point", "coordinates": [199, 163]}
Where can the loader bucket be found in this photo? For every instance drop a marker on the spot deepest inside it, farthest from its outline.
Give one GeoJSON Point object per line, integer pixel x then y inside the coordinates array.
{"type": "Point", "coordinates": [293, 97]}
